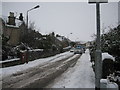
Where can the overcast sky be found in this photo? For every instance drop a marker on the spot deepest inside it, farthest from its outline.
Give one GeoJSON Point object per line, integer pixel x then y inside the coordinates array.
{"type": "Point", "coordinates": [78, 18]}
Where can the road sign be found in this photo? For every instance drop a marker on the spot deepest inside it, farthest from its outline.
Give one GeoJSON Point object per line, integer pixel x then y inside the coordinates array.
{"type": "Point", "coordinates": [98, 1]}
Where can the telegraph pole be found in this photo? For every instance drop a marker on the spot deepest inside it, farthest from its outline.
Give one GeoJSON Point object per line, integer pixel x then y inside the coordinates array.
{"type": "Point", "coordinates": [98, 54]}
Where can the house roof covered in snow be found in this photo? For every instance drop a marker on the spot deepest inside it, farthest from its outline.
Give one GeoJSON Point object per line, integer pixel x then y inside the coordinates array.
{"type": "Point", "coordinates": [17, 22]}
{"type": "Point", "coordinates": [12, 21]}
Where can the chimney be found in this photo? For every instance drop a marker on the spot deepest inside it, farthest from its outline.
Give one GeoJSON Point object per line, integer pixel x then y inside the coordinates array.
{"type": "Point", "coordinates": [11, 19]}
{"type": "Point", "coordinates": [21, 17]}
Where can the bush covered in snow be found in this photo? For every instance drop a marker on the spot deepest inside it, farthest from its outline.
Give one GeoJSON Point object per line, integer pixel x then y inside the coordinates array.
{"type": "Point", "coordinates": [111, 43]}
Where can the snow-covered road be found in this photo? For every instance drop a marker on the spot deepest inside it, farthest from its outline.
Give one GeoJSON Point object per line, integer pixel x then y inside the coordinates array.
{"type": "Point", "coordinates": [79, 76]}
{"type": "Point", "coordinates": [4, 72]}
{"type": "Point", "coordinates": [38, 73]}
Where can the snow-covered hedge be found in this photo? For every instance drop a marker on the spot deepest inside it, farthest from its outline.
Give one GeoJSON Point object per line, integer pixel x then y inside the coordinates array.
{"type": "Point", "coordinates": [107, 56]}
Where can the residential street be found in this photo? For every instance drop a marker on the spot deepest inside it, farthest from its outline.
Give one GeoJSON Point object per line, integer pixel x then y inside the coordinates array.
{"type": "Point", "coordinates": [38, 75]}
{"type": "Point", "coordinates": [60, 45]}
{"type": "Point", "coordinates": [43, 74]}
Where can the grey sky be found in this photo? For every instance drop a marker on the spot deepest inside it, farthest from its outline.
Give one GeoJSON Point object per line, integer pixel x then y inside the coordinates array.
{"type": "Point", "coordinates": [64, 18]}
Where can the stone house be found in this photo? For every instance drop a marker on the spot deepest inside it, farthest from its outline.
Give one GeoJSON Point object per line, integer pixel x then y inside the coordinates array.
{"type": "Point", "coordinates": [13, 29]}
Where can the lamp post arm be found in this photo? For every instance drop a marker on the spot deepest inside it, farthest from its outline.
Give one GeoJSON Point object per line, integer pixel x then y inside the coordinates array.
{"type": "Point", "coordinates": [33, 8]}
{"type": "Point", "coordinates": [30, 9]}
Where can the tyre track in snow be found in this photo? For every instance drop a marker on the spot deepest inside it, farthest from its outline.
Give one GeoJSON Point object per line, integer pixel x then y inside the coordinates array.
{"type": "Point", "coordinates": [46, 77]}
{"type": "Point", "coordinates": [35, 75]}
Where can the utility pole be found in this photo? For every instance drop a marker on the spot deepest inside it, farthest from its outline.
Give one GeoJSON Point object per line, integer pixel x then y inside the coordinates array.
{"type": "Point", "coordinates": [98, 54]}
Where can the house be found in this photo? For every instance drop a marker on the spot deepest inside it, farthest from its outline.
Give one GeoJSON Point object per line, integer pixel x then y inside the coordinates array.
{"type": "Point", "coordinates": [12, 29]}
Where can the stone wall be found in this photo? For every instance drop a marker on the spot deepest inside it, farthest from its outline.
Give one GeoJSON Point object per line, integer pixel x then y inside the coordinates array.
{"type": "Point", "coordinates": [14, 35]}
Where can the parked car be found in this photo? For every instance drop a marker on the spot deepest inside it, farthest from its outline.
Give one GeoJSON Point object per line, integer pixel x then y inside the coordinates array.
{"type": "Point", "coordinates": [78, 51]}
{"type": "Point", "coordinates": [72, 49]}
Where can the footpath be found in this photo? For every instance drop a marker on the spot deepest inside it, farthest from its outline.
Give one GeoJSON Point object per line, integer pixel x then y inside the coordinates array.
{"type": "Point", "coordinates": [79, 76]}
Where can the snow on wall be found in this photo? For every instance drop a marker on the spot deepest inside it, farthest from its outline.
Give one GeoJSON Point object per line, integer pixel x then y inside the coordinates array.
{"type": "Point", "coordinates": [107, 56]}
{"type": "Point", "coordinates": [105, 83]}
{"type": "Point", "coordinates": [9, 60]}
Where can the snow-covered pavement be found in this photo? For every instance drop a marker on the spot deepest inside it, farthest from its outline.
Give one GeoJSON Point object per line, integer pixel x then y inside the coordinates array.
{"type": "Point", "coordinates": [79, 76]}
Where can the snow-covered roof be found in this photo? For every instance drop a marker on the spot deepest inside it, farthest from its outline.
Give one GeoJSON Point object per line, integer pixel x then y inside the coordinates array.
{"type": "Point", "coordinates": [13, 26]}
{"type": "Point", "coordinates": [107, 56]}
{"type": "Point", "coordinates": [17, 22]}
{"type": "Point", "coordinates": [60, 38]}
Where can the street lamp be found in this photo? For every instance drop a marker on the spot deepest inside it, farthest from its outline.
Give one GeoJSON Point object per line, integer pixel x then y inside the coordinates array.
{"type": "Point", "coordinates": [27, 13]}
{"type": "Point", "coordinates": [68, 38]}
{"type": "Point", "coordinates": [98, 56]}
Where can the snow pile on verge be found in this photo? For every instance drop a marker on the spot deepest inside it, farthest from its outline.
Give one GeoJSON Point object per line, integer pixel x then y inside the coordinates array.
{"type": "Point", "coordinates": [14, 69]}
{"type": "Point", "coordinates": [79, 76]}
{"type": "Point", "coordinates": [107, 56]}
{"type": "Point", "coordinates": [105, 83]}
